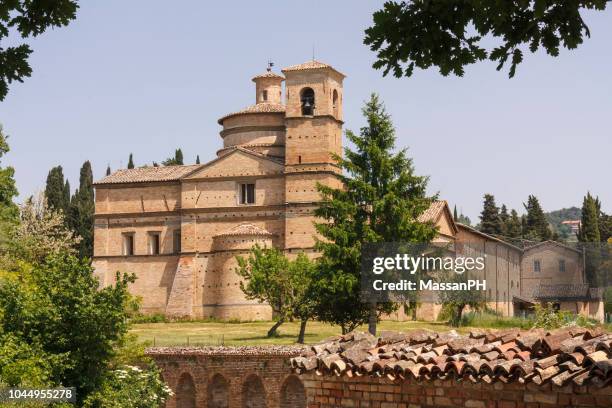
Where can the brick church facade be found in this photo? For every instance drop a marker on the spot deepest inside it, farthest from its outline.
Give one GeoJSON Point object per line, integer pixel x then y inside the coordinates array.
{"type": "Point", "coordinates": [180, 228]}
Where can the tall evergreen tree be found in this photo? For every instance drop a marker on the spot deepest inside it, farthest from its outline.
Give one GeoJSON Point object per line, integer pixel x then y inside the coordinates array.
{"type": "Point", "coordinates": [380, 201]}
{"type": "Point", "coordinates": [589, 225]}
{"type": "Point", "coordinates": [514, 227]}
{"type": "Point", "coordinates": [130, 162]}
{"type": "Point", "coordinates": [536, 224]}
{"type": "Point", "coordinates": [82, 211]}
{"type": "Point", "coordinates": [490, 222]}
{"type": "Point", "coordinates": [57, 190]}
{"type": "Point", "coordinates": [177, 160]}
{"type": "Point", "coordinates": [455, 216]}
{"type": "Point", "coordinates": [198, 159]}
{"type": "Point", "coordinates": [8, 210]}
{"type": "Point", "coordinates": [504, 218]}
{"type": "Point", "coordinates": [108, 170]}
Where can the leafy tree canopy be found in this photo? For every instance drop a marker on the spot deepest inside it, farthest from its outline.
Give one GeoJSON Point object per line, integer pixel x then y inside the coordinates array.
{"type": "Point", "coordinates": [451, 34]}
{"type": "Point", "coordinates": [27, 18]}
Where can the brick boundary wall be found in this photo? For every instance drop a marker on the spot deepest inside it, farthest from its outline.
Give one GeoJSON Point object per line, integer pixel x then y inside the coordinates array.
{"type": "Point", "coordinates": [261, 377]}
{"type": "Point", "coordinates": [361, 392]}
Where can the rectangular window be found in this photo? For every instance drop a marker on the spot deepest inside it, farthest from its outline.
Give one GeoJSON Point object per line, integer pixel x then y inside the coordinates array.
{"type": "Point", "coordinates": [561, 265]}
{"type": "Point", "coordinates": [536, 265]}
{"type": "Point", "coordinates": [177, 242]}
{"type": "Point", "coordinates": [153, 243]}
{"type": "Point", "coordinates": [128, 244]}
{"type": "Point", "coordinates": [247, 193]}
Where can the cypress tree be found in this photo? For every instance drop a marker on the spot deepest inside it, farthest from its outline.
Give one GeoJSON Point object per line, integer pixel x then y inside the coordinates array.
{"type": "Point", "coordinates": [198, 159]}
{"type": "Point", "coordinates": [504, 218]}
{"type": "Point", "coordinates": [178, 157]}
{"type": "Point", "coordinates": [108, 170]}
{"type": "Point", "coordinates": [82, 211]}
{"type": "Point", "coordinates": [57, 190]}
{"type": "Point", "coordinates": [536, 224]}
{"type": "Point", "coordinates": [490, 222]}
{"type": "Point", "coordinates": [130, 162]}
{"type": "Point", "coordinates": [589, 225]}
{"type": "Point", "coordinates": [455, 216]}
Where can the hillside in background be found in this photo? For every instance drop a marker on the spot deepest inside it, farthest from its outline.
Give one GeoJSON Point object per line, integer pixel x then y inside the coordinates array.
{"type": "Point", "coordinates": [555, 218]}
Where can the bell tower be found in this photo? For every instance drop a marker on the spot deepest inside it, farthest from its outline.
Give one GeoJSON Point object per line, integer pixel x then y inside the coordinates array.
{"type": "Point", "coordinates": [313, 120]}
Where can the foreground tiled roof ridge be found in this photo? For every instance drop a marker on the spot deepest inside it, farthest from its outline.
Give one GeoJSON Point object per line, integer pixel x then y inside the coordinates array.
{"type": "Point", "coordinates": [246, 228]}
{"type": "Point", "coordinates": [569, 355]}
{"type": "Point", "coordinates": [149, 174]}
{"type": "Point", "coordinates": [272, 350]}
{"type": "Point", "coordinates": [269, 74]}
{"type": "Point", "coordinates": [264, 107]}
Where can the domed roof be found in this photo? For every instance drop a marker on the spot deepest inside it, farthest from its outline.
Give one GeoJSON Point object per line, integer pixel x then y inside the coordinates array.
{"type": "Point", "coordinates": [269, 74]}
{"type": "Point", "coordinates": [257, 108]}
{"type": "Point", "coordinates": [245, 229]}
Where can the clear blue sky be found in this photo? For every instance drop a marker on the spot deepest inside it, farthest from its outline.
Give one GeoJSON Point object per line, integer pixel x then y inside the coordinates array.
{"type": "Point", "coordinates": [149, 76]}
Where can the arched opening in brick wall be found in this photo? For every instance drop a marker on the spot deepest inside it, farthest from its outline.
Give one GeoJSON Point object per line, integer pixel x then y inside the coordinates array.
{"type": "Point", "coordinates": [292, 394]}
{"type": "Point", "coordinates": [253, 393]}
{"type": "Point", "coordinates": [218, 392]}
{"type": "Point", "coordinates": [185, 392]}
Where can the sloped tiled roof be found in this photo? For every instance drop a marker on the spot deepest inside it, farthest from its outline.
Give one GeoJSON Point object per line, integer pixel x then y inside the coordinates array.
{"type": "Point", "coordinates": [567, 291]}
{"type": "Point", "coordinates": [313, 64]}
{"type": "Point", "coordinates": [273, 350]}
{"type": "Point", "coordinates": [578, 355]}
{"type": "Point", "coordinates": [264, 107]}
{"type": "Point", "coordinates": [245, 229]}
{"type": "Point", "coordinates": [550, 243]}
{"type": "Point", "coordinates": [433, 212]}
{"type": "Point", "coordinates": [148, 174]}
{"type": "Point", "coordinates": [269, 74]}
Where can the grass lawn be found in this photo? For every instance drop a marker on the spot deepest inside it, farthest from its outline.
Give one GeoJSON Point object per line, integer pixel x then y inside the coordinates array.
{"type": "Point", "coordinates": [240, 334]}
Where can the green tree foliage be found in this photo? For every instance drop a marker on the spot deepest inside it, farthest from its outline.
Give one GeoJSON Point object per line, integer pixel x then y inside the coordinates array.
{"type": "Point", "coordinates": [504, 217]}
{"type": "Point", "coordinates": [59, 308]}
{"type": "Point", "coordinates": [556, 218]}
{"type": "Point", "coordinates": [455, 301]}
{"type": "Point", "coordinates": [81, 214]}
{"type": "Point", "coordinates": [514, 228]}
{"type": "Point", "coordinates": [490, 221]}
{"type": "Point", "coordinates": [57, 190]}
{"type": "Point", "coordinates": [455, 215]}
{"type": "Point", "coordinates": [589, 226]}
{"type": "Point", "coordinates": [198, 159]}
{"type": "Point", "coordinates": [130, 164]}
{"type": "Point", "coordinates": [270, 277]}
{"type": "Point", "coordinates": [177, 160]}
{"type": "Point", "coordinates": [536, 226]}
{"type": "Point", "coordinates": [451, 35]}
{"type": "Point", "coordinates": [108, 170]}
{"type": "Point", "coordinates": [24, 19]}
{"type": "Point", "coordinates": [8, 190]}
{"type": "Point", "coordinates": [379, 201]}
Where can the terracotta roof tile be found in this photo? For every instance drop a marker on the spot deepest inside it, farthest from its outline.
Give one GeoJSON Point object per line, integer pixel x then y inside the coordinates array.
{"type": "Point", "coordinates": [560, 356]}
{"type": "Point", "coordinates": [566, 292]}
{"type": "Point", "coordinates": [269, 74]}
{"type": "Point", "coordinates": [313, 64]}
{"type": "Point", "coordinates": [245, 229]}
{"type": "Point", "coordinates": [433, 212]}
{"type": "Point", "coordinates": [264, 107]}
{"type": "Point", "coordinates": [148, 174]}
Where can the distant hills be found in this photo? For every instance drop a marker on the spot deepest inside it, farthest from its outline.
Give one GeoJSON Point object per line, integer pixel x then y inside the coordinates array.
{"type": "Point", "coordinates": [555, 218]}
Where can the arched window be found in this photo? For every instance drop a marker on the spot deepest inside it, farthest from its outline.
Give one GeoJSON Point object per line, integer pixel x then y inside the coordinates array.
{"type": "Point", "coordinates": [185, 392]}
{"type": "Point", "coordinates": [307, 99]}
{"type": "Point", "coordinates": [264, 96]}
{"type": "Point", "coordinates": [253, 393]}
{"type": "Point", "coordinates": [293, 394]}
{"type": "Point", "coordinates": [218, 392]}
{"type": "Point", "coordinates": [335, 102]}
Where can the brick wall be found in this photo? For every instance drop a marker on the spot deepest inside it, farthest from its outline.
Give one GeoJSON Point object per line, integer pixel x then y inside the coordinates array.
{"type": "Point", "coordinates": [257, 378]}
{"type": "Point", "coordinates": [328, 392]}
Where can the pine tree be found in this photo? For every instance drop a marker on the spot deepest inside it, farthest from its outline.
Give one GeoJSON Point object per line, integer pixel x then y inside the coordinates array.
{"type": "Point", "coordinates": [82, 211]}
{"type": "Point", "coordinates": [514, 227]}
{"type": "Point", "coordinates": [108, 170]}
{"type": "Point", "coordinates": [130, 162]}
{"type": "Point", "coordinates": [536, 224]}
{"type": "Point", "coordinates": [380, 201]}
{"type": "Point", "coordinates": [198, 159]}
{"type": "Point", "coordinates": [57, 190]}
{"type": "Point", "coordinates": [9, 212]}
{"type": "Point", "coordinates": [490, 222]}
{"type": "Point", "coordinates": [504, 218]}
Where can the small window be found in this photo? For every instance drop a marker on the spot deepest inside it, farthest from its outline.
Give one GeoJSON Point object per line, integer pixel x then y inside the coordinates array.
{"type": "Point", "coordinates": [264, 96]}
{"type": "Point", "coordinates": [247, 193]}
{"type": "Point", "coordinates": [307, 99]}
{"type": "Point", "coordinates": [177, 242]}
{"type": "Point", "coordinates": [561, 265]}
{"type": "Point", "coordinates": [300, 159]}
{"type": "Point", "coordinates": [536, 266]}
{"type": "Point", "coordinates": [153, 243]}
{"type": "Point", "coordinates": [128, 244]}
